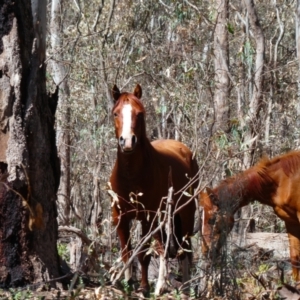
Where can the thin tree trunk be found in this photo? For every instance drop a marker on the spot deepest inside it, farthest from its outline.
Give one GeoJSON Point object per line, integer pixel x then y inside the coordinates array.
{"type": "Point", "coordinates": [96, 212]}
{"type": "Point", "coordinates": [221, 54]}
{"type": "Point", "coordinates": [274, 75]}
{"type": "Point", "coordinates": [298, 57]}
{"type": "Point", "coordinates": [252, 136]}
{"type": "Point", "coordinates": [253, 124]}
{"type": "Point", "coordinates": [63, 117]}
{"type": "Point", "coordinates": [29, 165]}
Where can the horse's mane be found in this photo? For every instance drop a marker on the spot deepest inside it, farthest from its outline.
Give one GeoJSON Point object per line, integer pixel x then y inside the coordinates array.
{"type": "Point", "coordinates": [289, 162]}
{"type": "Point", "coordinates": [256, 183]}
{"type": "Point", "coordinates": [253, 179]}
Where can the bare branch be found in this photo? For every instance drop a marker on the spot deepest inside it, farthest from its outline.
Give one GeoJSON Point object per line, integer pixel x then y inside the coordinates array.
{"type": "Point", "coordinates": [77, 231]}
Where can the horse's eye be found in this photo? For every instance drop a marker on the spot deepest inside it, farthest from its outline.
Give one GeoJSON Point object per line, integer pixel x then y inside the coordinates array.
{"type": "Point", "coordinates": [115, 115]}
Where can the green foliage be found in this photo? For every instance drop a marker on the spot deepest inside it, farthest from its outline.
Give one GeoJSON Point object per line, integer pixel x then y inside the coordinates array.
{"type": "Point", "coordinates": [230, 28]}
{"type": "Point", "coordinates": [20, 294]}
{"type": "Point", "coordinates": [63, 251]}
{"type": "Point", "coordinates": [263, 268]}
{"type": "Point", "coordinates": [222, 140]}
{"type": "Point", "coordinates": [193, 294]}
{"type": "Point", "coordinates": [181, 12]}
{"type": "Point", "coordinates": [127, 287]}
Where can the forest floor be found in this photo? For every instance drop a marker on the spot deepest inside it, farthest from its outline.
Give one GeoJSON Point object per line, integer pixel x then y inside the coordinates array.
{"type": "Point", "coordinates": [258, 270]}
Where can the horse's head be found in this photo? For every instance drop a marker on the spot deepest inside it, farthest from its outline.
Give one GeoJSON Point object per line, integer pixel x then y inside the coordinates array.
{"type": "Point", "coordinates": [217, 222]}
{"type": "Point", "coordinates": [129, 118]}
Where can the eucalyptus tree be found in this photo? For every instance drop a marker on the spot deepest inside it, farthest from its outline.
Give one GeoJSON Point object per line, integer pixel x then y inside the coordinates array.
{"type": "Point", "coordinates": [60, 78]}
{"type": "Point", "coordinates": [221, 65]}
{"type": "Point", "coordinates": [29, 164]}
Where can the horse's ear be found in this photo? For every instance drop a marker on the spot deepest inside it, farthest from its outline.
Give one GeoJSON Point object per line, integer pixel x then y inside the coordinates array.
{"type": "Point", "coordinates": [213, 197]}
{"type": "Point", "coordinates": [115, 93]}
{"type": "Point", "coordinates": [138, 91]}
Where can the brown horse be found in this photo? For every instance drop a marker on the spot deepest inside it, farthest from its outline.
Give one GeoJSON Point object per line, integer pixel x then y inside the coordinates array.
{"type": "Point", "coordinates": [272, 182]}
{"type": "Point", "coordinates": [142, 170]}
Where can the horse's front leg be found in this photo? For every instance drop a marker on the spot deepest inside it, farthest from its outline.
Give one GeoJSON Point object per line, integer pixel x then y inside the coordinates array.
{"type": "Point", "coordinates": [123, 232]}
{"type": "Point", "coordinates": [293, 231]}
{"type": "Point", "coordinates": [144, 260]}
{"type": "Point", "coordinates": [186, 262]}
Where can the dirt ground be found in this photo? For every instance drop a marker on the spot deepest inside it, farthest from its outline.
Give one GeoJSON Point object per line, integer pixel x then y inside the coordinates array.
{"type": "Point", "coordinates": [259, 269]}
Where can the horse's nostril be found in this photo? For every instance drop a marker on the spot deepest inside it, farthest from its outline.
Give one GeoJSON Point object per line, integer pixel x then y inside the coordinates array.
{"type": "Point", "coordinates": [133, 140]}
{"type": "Point", "coordinates": [121, 141]}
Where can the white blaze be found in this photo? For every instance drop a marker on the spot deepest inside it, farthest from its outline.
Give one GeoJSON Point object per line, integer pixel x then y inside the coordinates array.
{"type": "Point", "coordinates": [126, 130]}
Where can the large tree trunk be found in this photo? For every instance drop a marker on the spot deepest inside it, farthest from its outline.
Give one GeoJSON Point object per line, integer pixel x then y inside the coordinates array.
{"type": "Point", "coordinates": [221, 54]}
{"type": "Point", "coordinates": [28, 157]}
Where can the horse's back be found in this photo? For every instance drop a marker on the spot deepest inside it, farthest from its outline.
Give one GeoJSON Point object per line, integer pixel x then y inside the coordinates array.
{"type": "Point", "coordinates": [285, 171]}
{"type": "Point", "coordinates": [176, 153]}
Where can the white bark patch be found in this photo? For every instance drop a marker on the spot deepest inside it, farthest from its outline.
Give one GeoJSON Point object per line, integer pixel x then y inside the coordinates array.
{"type": "Point", "coordinates": [161, 280]}
{"type": "Point", "coordinates": [202, 221]}
{"type": "Point", "coordinates": [128, 273]}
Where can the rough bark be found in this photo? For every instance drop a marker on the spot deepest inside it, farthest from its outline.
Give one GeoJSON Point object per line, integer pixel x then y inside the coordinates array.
{"type": "Point", "coordinates": [63, 117]}
{"type": "Point", "coordinates": [29, 164]}
{"type": "Point", "coordinates": [221, 54]}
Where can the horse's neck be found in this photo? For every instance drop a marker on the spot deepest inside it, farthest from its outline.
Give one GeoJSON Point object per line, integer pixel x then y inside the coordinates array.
{"type": "Point", "coordinates": [253, 188]}
{"type": "Point", "coordinates": [245, 200]}
{"type": "Point", "coordinates": [133, 165]}
{"type": "Point", "coordinates": [240, 199]}
{"type": "Point", "coordinates": [235, 194]}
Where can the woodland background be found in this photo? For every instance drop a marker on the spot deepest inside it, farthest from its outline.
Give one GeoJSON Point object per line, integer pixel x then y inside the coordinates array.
{"type": "Point", "coordinates": [197, 63]}
{"type": "Point", "coordinates": [221, 76]}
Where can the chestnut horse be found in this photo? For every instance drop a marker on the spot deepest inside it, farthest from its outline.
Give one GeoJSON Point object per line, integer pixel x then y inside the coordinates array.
{"type": "Point", "coordinates": [142, 171]}
{"type": "Point", "coordinates": [274, 182]}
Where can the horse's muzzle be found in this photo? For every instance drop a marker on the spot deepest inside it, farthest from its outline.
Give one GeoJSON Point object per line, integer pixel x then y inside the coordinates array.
{"type": "Point", "coordinates": [127, 144]}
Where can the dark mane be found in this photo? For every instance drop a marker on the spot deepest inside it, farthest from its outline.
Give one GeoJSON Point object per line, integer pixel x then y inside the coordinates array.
{"type": "Point", "coordinates": [252, 184]}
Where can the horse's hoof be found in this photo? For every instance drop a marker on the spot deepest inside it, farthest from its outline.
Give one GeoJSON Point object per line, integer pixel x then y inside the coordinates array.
{"type": "Point", "coordinates": [117, 285]}
{"type": "Point", "coordinates": [144, 290]}
{"type": "Point", "coordinates": [139, 295]}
